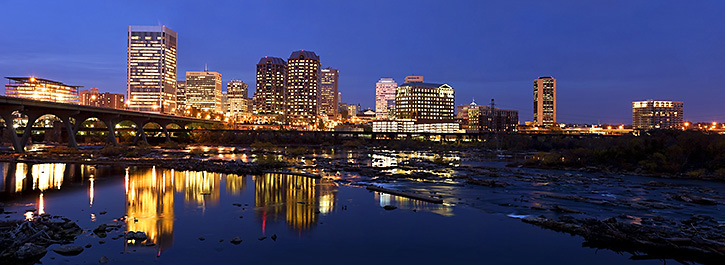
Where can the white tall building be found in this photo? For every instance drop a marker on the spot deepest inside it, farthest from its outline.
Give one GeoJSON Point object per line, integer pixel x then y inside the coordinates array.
{"type": "Point", "coordinates": [384, 97]}
{"type": "Point", "coordinates": [151, 69]}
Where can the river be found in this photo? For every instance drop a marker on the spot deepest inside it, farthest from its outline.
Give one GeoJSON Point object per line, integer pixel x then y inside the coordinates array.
{"type": "Point", "coordinates": [190, 218]}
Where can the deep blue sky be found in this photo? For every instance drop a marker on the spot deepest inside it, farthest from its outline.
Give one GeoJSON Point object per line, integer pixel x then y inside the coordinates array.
{"type": "Point", "coordinates": [604, 54]}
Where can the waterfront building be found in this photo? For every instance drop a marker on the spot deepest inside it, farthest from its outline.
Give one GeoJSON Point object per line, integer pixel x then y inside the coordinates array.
{"type": "Point", "coordinates": [204, 91]}
{"type": "Point", "coordinates": [414, 79]}
{"type": "Point", "coordinates": [416, 126]}
{"type": "Point", "coordinates": [237, 99]}
{"type": "Point", "coordinates": [270, 97]}
{"type": "Point", "coordinates": [425, 101]}
{"type": "Point", "coordinates": [545, 101]}
{"type": "Point", "coordinates": [384, 97]}
{"type": "Point", "coordinates": [181, 95]}
{"type": "Point", "coordinates": [105, 100]}
{"type": "Point", "coordinates": [303, 89]}
{"type": "Point", "coordinates": [41, 89]}
{"type": "Point", "coordinates": [329, 92]}
{"type": "Point", "coordinates": [151, 69]}
{"type": "Point", "coordinates": [657, 114]}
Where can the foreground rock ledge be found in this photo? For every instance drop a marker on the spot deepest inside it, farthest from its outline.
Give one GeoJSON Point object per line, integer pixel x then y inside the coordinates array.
{"type": "Point", "coordinates": [697, 245]}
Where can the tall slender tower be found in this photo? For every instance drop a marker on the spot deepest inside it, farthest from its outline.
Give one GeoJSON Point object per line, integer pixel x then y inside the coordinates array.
{"type": "Point", "coordinates": [270, 97]}
{"type": "Point", "coordinates": [384, 97]}
{"type": "Point", "coordinates": [328, 92]}
{"type": "Point", "coordinates": [545, 101]}
{"type": "Point", "coordinates": [151, 69]}
{"type": "Point", "coordinates": [303, 88]}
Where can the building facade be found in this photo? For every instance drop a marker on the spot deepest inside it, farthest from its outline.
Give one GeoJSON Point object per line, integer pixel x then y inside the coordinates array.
{"type": "Point", "coordinates": [545, 101]}
{"type": "Point", "coordinates": [204, 91]}
{"type": "Point", "coordinates": [407, 126]}
{"type": "Point", "coordinates": [105, 100]}
{"type": "Point", "coordinates": [41, 89]}
{"type": "Point", "coordinates": [482, 119]}
{"type": "Point", "coordinates": [303, 88]}
{"type": "Point", "coordinates": [414, 79]}
{"type": "Point", "coordinates": [424, 101]}
{"type": "Point", "coordinates": [329, 92]}
{"type": "Point", "coordinates": [181, 95]}
{"type": "Point", "coordinates": [657, 114]}
{"type": "Point", "coordinates": [270, 95]}
{"type": "Point", "coordinates": [151, 69]}
{"type": "Point", "coordinates": [384, 97]}
{"type": "Point", "coordinates": [462, 110]}
{"type": "Point", "coordinates": [237, 98]}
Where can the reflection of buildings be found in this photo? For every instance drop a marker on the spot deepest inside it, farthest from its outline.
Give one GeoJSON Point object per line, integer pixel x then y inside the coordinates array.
{"type": "Point", "coordinates": [236, 184]}
{"type": "Point", "coordinates": [150, 205]}
{"type": "Point", "coordinates": [299, 198]}
{"type": "Point", "coordinates": [384, 161]}
{"type": "Point", "coordinates": [200, 187]}
{"type": "Point", "coordinates": [405, 203]}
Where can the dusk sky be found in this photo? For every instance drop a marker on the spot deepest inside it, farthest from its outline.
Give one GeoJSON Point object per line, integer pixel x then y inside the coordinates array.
{"type": "Point", "coordinates": [604, 54]}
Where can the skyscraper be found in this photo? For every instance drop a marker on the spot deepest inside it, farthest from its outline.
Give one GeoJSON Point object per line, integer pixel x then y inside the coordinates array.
{"type": "Point", "coordinates": [545, 101]}
{"type": "Point", "coordinates": [328, 92]}
{"type": "Point", "coordinates": [151, 69]}
{"type": "Point", "coordinates": [384, 97]}
{"type": "Point", "coordinates": [237, 93]}
{"type": "Point", "coordinates": [657, 114]}
{"type": "Point", "coordinates": [424, 101]}
{"type": "Point", "coordinates": [204, 90]}
{"type": "Point", "coordinates": [303, 88]}
{"type": "Point", "coordinates": [270, 97]}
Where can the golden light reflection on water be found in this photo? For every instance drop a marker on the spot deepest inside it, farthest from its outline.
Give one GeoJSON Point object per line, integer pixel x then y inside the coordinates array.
{"type": "Point", "coordinates": [412, 204]}
{"type": "Point", "coordinates": [150, 206]}
{"type": "Point", "coordinates": [235, 184]}
{"type": "Point", "coordinates": [47, 176]}
{"type": "Point", "coordinates": [299, 199]}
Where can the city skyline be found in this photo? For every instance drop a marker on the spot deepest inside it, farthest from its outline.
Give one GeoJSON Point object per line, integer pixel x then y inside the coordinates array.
{"type": "Point", "coordinates": [648, 51]}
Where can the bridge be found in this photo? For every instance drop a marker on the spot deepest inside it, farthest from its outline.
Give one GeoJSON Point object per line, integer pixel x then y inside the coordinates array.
{"type": "Point", "coordinates": [35, 109]}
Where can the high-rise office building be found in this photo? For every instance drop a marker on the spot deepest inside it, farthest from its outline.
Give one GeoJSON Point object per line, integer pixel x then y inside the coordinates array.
{"type": "Point", "coordinates": [657, 114]}
{"type": "Point", "coordinates": [42, 89]}
{"type": "Point", "coordinates": [424, 101]}
{"type": "Point", "coordinates": [151, 69]}
{"type": "Point", "coordinates": [545, 101]}
{"type": "Point", "coordinates": [384, 97]}
{"type": "Point", "coordinates": [414, 79]}
{"type": "Point", "coordinates": [303, 88]}
{"type": "Point", "coordinates": [105, 100]}
{"type": "Point", "coordinates": [181, 95]}
{"type": "Point", "coordinates": [204, 91]}
{"type": "Point", "coordinates": [328, 92]}
{"type": "Point", "coordinates": [237, 98]}
{"type": "Point", "coordinates": [270, 97]}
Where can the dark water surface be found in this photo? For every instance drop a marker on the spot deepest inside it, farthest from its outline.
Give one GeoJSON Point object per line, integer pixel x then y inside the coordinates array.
{"type": "Point", "coordinates": [314, 221]}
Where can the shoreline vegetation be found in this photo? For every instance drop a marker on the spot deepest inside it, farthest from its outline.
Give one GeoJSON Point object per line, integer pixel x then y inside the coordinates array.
{"type": "Point", "coordinates": [666, 154]}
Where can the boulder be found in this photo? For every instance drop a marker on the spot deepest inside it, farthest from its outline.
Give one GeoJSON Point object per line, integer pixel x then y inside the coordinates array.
{"type": "Point", "coordinates": [30, 251]}
{"type": "Point", "coordinates": [68, 250]}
